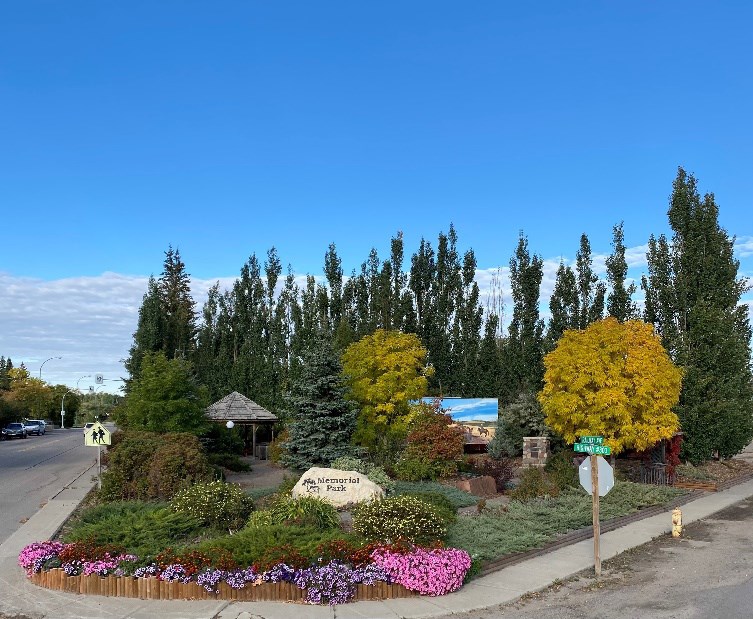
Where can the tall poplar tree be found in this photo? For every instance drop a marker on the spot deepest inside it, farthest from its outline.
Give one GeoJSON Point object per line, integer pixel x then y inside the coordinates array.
{"type": "Point", "coordinates": [563, 306]}
{"type": "Point", "coordinates": [693, 299]}
{"type": "Point", "coordinates": [620, 302]}
{"type": "Point", "coordinates": [523, 351]}
{"type": "Point", "coordinates": [591, 291]}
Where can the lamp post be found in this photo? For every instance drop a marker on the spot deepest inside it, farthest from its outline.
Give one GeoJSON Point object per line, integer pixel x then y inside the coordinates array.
{"type": "Point", "coordinates": [43, 362]}
{"type": "Point", "coordinates": [62, 410]}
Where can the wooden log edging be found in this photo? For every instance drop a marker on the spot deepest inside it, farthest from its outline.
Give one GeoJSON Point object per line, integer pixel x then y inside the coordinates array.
{"type": "Point", "coordinates": [154, 589]}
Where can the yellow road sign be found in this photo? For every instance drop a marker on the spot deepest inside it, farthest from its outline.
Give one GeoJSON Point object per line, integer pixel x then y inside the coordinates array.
{"type": "Point", "coordinates": [97, 435]}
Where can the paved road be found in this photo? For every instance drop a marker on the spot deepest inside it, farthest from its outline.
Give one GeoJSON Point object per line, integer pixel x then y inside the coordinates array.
{"type": "Point", "coordinates": [708, 573]}
{"type": "Point", "coordinates": [34, 470]}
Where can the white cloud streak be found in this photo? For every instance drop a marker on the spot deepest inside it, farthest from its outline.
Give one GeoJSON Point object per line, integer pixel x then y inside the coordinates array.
{"type": "Point", "coordinates": [89, 321]}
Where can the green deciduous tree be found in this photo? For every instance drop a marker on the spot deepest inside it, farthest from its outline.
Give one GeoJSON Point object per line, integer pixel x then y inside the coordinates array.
{"type": "Point", "coordinates": [620, 302]}
{"type": "Point", "coordinates": [563, 306]}
{"type": "Point", "coordinates": [693, 299]}
{"type": "Point", "coordinates": [523, 350]}
{"type": "Point", "coordinates": [164, 398]}
{"type": "Point", "coordinates": [613, 380]}
{"type": "Point", "coordinates": [591, 291]}
{"type": "Point", "coordinates": [323, 421]}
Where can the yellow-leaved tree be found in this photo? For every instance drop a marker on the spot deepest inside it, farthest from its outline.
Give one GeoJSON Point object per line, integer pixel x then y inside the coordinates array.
{"type": "Point", "coordinates": [614, 380]}
{"type": "Point", "coordinates": [385, 371]}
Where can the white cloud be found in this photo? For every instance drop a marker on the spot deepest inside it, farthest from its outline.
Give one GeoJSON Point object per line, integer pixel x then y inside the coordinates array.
{"type": "Point", "coordinates": [744, 246]}
{"type": "Point", "coordinates": [89, 321]}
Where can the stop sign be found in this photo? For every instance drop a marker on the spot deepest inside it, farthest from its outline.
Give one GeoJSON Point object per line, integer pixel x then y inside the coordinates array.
{"type": "Point", "coordinates": [606, 476]}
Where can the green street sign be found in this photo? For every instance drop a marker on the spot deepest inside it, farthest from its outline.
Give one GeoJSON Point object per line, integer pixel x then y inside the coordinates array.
{"type": "Point", "coordinates": [599, 450]}
{"type": "Point", "coordinates": [592, 440]}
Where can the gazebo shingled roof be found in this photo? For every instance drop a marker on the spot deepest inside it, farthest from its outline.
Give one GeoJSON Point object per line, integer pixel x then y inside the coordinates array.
{"type": "Point", "coordinates": [237, 408]}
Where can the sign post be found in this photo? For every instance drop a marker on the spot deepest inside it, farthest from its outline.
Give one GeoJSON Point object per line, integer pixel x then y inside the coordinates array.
{"type": "Point", "coordinates": [96, 436]}
{"type": "Point", "coordinates": [594, 446]}
{"type": "Point", "coordinates": [595, 509]}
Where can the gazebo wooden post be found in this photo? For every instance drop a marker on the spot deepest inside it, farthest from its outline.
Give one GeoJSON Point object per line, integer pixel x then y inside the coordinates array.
{"type": "Point", "coordinates": [253, 440]}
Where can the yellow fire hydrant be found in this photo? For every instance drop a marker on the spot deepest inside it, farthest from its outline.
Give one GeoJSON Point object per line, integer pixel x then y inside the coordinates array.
{"type": "Point", "coordinates": [676, 522]}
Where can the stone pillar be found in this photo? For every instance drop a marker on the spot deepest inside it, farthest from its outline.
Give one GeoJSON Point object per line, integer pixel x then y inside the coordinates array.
{"type": "Point", "coordinates": [535, 451]}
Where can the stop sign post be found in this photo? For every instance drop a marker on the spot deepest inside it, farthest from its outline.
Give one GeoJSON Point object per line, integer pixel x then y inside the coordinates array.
{"type": "Point", "coordinates": [604, 472]}
{"type": "Point", "coordinates": [597, 478]}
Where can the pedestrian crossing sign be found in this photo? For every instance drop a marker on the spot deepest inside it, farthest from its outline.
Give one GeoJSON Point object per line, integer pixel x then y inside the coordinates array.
{"type": "Point", "coordinates": [97, 435]}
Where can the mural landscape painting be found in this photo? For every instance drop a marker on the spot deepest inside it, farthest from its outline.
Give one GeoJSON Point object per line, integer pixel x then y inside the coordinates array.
{"type": "Point", "coordinates": [469, 409]}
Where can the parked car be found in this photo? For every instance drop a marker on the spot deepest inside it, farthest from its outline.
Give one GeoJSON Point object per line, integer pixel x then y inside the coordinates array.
{"type": "Point", "coordinates": [35, 426]}
{"type": "Point", "coordinates": [13, 430]}
{"type": "Point", "coordinates": [88, 425]}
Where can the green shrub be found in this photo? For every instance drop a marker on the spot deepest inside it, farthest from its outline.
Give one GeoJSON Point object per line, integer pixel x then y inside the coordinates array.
{"type": "Point", "coordinates": [561, 470]}
{"type": "Point", "coordinates": [287, 485]}
{"type": "Point", "coordinates": [459, 498]}
{"type": "Point", "coordinates": [216, 503]}
{"type": "Point", "coordinates": [399, 517]}
{"type": "Point", "coordinates": [521, 418]}
{"type": "Point", "coordinates": [413, 467]}
{"type": "Point", "coordinates": [179, 462]}
{"type": "Point", "coordinates": [141, 528]}
{"type": "Point", "coordinates": [534, 483]}
{"type": "Point", "coordinates": [146, 465]}
{"type": "Point", "coordinates": [229, 461]}
{"type": "Point", "coordinates": [445, 507]}
{"type": "Point", "coordinates": [375, 473]}
{"type": "Point", "coordinates": [260, 493]}
{"type": "Point", "coordinates": [500, 470]}
{"type": "Point", "coordinates": [308, 511]}
{"type": "Point", "coordinates": [252, 544]}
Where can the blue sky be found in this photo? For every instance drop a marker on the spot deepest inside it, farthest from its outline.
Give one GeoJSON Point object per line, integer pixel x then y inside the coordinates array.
{"type": "Point", "coordinates": [226, 128]}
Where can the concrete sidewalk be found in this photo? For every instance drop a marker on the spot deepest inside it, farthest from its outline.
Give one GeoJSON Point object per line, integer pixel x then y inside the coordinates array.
{"type": "Point", "coordinates": [19, 597]}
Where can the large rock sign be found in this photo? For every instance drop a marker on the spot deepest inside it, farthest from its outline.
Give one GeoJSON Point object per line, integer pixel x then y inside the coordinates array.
{"type": "Point", "coordinates": [338, 487]}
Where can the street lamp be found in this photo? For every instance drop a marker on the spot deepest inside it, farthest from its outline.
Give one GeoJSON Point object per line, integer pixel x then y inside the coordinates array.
{"type": "Point", "coordinates": [43, 362]}
{"type": "Point", "coordinates": [80, 379]}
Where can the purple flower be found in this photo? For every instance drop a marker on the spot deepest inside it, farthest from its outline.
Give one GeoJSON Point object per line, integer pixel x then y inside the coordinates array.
{"type": "Point", "coordinates": [237, 579]}
{"type": "Point", "coordinates": [74, 568]}
{"type": "Point", "coordinates": [210, 578]}
{"type": "Point", "coordinates": [280, 573]}
{"type": "Point", "coordinates": [146, 571]}
{"type": "Point", "coordinates": [175, 573]}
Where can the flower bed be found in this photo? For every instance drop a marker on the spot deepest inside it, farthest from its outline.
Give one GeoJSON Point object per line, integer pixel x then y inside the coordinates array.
{"type": "Point", "coordinates": [389, 572]}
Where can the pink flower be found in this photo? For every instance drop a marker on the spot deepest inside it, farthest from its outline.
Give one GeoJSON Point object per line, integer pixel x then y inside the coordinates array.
{"type": "Point", "coordinates": [430, 572]}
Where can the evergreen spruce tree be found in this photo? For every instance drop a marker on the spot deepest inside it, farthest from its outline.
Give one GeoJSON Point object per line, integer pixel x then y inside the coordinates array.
{"type": "Point", "coordinates": [177, 307]}
{"type": "Point", "coordinates": [693, 299]}
{"type": "Point", "coordinates": [620, 303]}
{"type": "Point", "coordinates": [5, 365]}
{"type": "Point", "coordinates": [323, 420]}
{"type": "Point", "coordinates": [149, 334]}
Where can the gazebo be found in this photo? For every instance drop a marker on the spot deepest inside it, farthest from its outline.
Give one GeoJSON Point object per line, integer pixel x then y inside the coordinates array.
{"type": "Point", "coordinates": [237, 408]}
